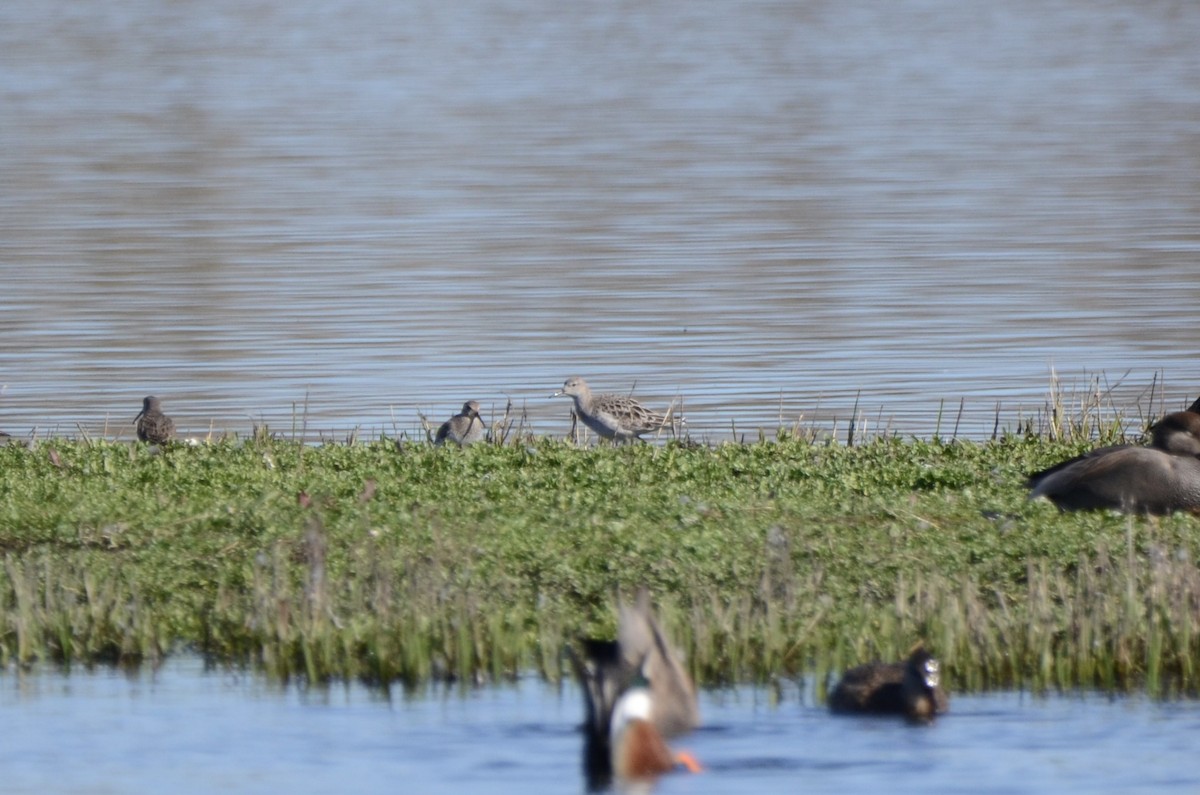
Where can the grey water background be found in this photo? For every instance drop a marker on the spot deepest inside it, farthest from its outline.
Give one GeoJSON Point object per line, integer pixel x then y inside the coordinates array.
{"type": "Point", "coordinates": [775, 211]}
{"type": "Point", "coordinates": [184, 729]}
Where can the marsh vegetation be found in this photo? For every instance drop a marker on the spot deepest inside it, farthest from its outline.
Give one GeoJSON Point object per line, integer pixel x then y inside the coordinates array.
{"type": "Point", "coordinates": [404, 563]}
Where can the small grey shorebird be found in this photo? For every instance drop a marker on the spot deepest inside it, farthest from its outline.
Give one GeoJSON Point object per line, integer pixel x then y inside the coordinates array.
{"type": "Point", "coordinates": [617, 417]}
{"type": "Point", "coordinates": [911, 688]}
{"type": "Point", "coordinates": [152, 425]}
{"type": "Point", "coordinates": [1159, 479]}
{"type": "Point", "coordinates": [465, 427]}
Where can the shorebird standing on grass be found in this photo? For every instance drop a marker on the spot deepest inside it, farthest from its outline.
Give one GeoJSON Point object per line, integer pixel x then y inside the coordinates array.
{"type": "Point", "coordinates": [465, 427]}
{"type": "Point", "coordinates": [152, 425]}
{"type": "Point", "coordinates": [617, 417]}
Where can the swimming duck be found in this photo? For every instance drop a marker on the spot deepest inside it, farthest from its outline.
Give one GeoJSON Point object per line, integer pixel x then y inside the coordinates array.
{"type": "Point", "coordinates": [636, 745]}
{"type": "Point", "coordinates": [911, 688]}
{"type": "Point", "coordinates": [636, 694]}
{"type": "Point", "coordinates": [1159, 479]}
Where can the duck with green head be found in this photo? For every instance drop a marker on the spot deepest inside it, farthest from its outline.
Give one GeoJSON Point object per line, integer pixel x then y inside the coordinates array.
{"type": "Point", "coordinates": [636, 695]}
{"type": "Point", "coordinates": [637, 749]}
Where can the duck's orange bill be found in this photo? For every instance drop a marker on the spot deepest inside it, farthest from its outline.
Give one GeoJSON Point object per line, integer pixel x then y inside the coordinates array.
{"type": "Point", "coordinates": [688, 762]}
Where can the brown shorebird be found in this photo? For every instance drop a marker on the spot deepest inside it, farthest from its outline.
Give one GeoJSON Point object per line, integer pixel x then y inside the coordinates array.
{"type": "Point", "coordinates": [152, 425]}
{"type": "Point", "coordinates": [465, 427]}
{"type": "Point", "coordinates": [617, 417]}
{"type": "Point", "coordinates": [911, 688]}
{"type": "Point", "coordinates": [1159, 479]}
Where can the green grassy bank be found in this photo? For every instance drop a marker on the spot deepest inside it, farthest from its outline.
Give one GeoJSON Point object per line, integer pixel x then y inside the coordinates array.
{"type": "Point", "coordinates": [409, 563]}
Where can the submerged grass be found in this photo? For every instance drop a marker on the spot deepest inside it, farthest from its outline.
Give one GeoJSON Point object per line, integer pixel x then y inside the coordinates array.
{"type": "Point", "coordinates": [404, 564]}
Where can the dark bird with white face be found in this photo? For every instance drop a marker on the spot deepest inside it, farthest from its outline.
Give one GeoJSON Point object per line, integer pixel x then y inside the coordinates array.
{"type": "Point", "coordinates": [911, 688]}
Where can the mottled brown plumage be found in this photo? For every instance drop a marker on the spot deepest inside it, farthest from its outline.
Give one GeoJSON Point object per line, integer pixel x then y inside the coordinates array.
{"type": "Point", "coordinates": [152, 425]}
{"type": "Point", "coordinates": [911, 688]}
{"type": "Point", "coordinates": [617, 417]}
{"type": "Point", "coordinates": [1159, 479]}
{"type": "Point", "coordinates": [464, 428]}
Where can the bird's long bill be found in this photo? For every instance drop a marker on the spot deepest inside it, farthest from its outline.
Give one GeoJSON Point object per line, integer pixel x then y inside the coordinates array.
{"type": "Point", "coordinates": [557, 394]}
{"type": "Point", "coordinates": [138, 417]}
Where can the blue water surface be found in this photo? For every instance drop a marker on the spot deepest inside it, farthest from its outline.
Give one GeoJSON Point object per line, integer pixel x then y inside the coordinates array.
{"type": "Point", "coordinates": [184, 729]}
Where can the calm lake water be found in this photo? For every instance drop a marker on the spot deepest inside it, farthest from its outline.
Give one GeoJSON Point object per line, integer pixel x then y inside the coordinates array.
{"type": "Point", "coordinates": [771, 209]}
{"type": "Point", "coordinates": [775, 210]}
{"type": "Point", "coordinates": [184, 730]}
